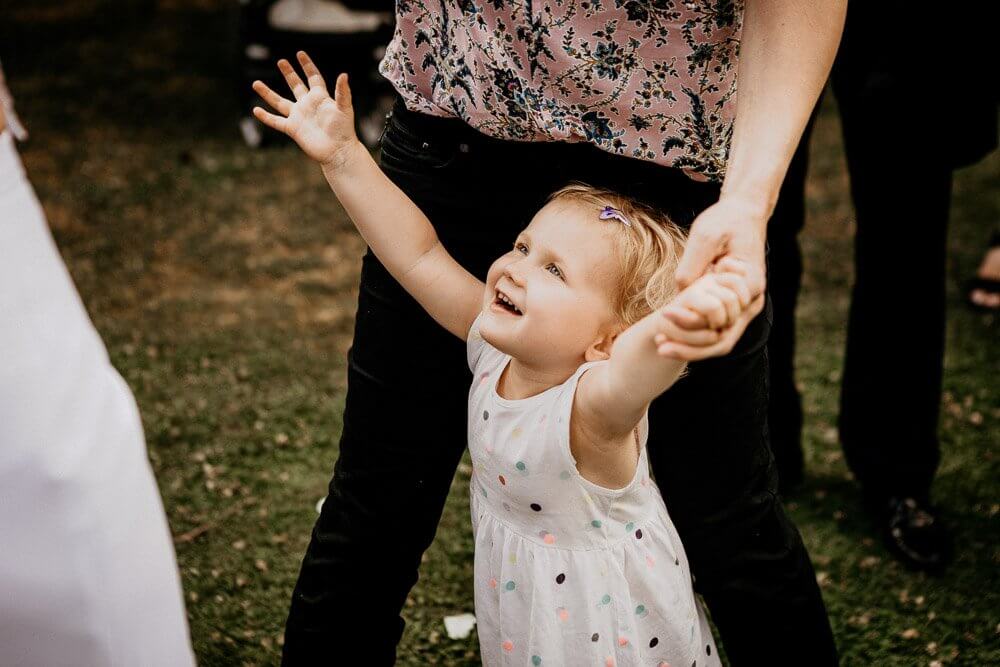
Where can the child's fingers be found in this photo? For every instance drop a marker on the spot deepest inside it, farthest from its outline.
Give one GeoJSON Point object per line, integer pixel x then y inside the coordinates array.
{"type": "Point", "coordinates": [269, 119]}
{"type": "Point", "coordinates": [277, 102]}
{"type": "Point", "coordinates": [709, 305]}
{"type": "Point", "coordinates": [684, 318]}
{"type": "Point", "coordinates": [729, 299]}
{"type": "Point", "coordinates": [737, 284]}
{"type": "Point", "coordinates": [342, 93]}
{"type": "Point", "coordinates": [698, 337]}
{"type": "Point", "coordinates": [298, 88]}
{"type": "Point", "coordinates": [313, 76]}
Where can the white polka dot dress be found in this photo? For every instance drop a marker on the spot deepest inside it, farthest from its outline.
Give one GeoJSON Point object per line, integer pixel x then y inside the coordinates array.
{"type": "Point", "coordinates": [568, 572]}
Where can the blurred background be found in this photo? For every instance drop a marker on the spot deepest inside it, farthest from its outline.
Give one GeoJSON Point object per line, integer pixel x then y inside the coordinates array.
{"type": "Point", "coordinates": [222, 274]}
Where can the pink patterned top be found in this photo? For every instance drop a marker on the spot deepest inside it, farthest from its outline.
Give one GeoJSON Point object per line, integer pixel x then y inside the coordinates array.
{"type": "Point", "coordinates": [650, 79]}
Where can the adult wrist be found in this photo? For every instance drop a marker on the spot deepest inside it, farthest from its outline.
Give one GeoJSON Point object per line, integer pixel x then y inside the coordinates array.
{"type": "Point", "coordinates": [758, 204]}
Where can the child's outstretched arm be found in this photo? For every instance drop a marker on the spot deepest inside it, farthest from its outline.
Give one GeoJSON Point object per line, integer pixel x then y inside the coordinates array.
{"type": "Point", "coordinates": [394, 227]}
{"type": "Point", "coordinates": [613, 397]}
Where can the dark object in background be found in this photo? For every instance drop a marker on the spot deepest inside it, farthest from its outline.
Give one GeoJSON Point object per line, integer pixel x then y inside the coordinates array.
{"type": "Point", "coordinates": [339, 36]}
{"type": "Point", "coordinates": [910, 116]}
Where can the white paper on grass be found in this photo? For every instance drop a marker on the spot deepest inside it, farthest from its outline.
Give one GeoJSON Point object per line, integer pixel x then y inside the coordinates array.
{"type": "Point", "coordinates": [459, 627]}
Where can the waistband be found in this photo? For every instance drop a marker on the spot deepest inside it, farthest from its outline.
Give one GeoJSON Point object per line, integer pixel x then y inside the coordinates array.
{"type": "Point", "coordinates": [660, 186]}
{"type": "Point", "coordinates": [442, 128]}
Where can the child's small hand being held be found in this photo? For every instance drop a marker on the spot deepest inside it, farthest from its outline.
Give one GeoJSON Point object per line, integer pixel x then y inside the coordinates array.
{"type": "Point", "coordinates": [321, 125]}
{"type": "Point", "coordinates": [707, 308]}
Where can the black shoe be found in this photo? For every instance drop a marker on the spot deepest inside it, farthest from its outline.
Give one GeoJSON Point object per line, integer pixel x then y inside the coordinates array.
{"type": "Point", "coordinates": [913, 533]}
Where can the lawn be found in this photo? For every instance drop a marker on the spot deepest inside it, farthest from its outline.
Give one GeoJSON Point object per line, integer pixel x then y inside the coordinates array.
{"type": "Point", "coordinates": [223, 281]}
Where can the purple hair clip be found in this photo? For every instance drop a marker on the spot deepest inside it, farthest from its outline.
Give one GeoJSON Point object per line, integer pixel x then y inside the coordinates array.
{"type": "Point", "coordinates": [612, 213]}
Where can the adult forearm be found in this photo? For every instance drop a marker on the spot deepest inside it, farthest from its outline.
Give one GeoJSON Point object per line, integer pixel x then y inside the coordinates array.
{"type": "Point", "coordinates": [787, 49]}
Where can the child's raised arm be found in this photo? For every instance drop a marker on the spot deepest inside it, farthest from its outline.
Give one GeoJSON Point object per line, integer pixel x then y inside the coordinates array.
{"type": "Point", "coordinates": [394, 227]}
{"type": "Point", "coordinates": [612, 398]}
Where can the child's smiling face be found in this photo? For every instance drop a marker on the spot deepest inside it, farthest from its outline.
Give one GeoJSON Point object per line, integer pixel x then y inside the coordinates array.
{"type": "Point", "coordinates": [550, 298]}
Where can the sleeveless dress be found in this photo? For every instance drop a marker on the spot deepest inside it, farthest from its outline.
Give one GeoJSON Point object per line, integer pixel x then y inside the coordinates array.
{"type": "Point", "coordinates": [568, 572]}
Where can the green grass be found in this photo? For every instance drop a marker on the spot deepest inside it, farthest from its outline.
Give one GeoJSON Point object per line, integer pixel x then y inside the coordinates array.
{"type": "Point", "coordinates": [224, 281]}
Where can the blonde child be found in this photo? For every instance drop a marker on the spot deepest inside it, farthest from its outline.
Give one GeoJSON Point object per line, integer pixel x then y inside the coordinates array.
{"type": "Point", "coordinates": [569, 339]}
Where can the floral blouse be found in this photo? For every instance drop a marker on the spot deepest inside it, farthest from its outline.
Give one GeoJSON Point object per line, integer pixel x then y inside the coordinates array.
{"type": "Point", "coordinates": [650, 79]}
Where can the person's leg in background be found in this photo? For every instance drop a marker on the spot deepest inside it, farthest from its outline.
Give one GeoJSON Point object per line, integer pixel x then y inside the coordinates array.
{"type": "Point", "coordinates": [891, 387]}
{"type": "Point", "coordinates": [891, 391]}
{"type": "Point", "coordinates": [784, 264]}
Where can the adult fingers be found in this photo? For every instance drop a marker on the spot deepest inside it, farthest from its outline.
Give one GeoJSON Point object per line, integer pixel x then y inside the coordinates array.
{"type": "Point", "coordinates": [729, 298]}
{"type": "Point", "coordinates": [274, 122]}
{"type": "Point", "coordinates": [342, 93]}
{"type": "Point", "coordinates": [701, 249]}
{"type": "Point", "coordinates": [687, 352]}
{"type": "Point", "coordinates": [736, 283]}
{"type": "Point", "coordinates": [277, 102]}
{"type": "Point", "coordinates": [684, 352]}
{"type": "Point", "coordinates": [298, 88]}
{"type": "Point", "coordinates": [753, 274]}
{"type": "Point", "coordinates": [684, 318]}
{"type": "Point", "coordinates": [313, 76]}
{"type": "Point", "coordinates": [710, 306]}
{"type": "Point", "coordinates": [671, 332]}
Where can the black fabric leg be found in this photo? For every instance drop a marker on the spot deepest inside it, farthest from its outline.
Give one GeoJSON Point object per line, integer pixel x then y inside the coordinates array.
{"type": "Point", "coordinates": [784, 281]}
{"type": "Point", "coordinates": [891, 391]}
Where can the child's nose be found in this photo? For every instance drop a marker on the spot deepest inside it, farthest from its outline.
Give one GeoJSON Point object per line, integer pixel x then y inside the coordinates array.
{"type": "Point", "coordinates": [515, 271]}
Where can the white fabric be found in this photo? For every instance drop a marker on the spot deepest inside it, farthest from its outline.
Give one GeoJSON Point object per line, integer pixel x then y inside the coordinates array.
{"type": "Point", "coordinates": [87, 569]}
{"type": "Point", "coordinates": [568, 572]}
{"type": "Point", "coordinates": [7, 103]}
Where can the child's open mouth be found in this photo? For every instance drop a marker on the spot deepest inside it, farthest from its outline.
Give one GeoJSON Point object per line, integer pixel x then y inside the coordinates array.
{"type": "Point", "coordinates": [504, 302]}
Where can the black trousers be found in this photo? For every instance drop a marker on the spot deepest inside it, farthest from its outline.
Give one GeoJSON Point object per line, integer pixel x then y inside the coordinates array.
{"type": "Point", "coordinates": [405, 421]}
{"type": "Point", "coordinates": [891, 386]}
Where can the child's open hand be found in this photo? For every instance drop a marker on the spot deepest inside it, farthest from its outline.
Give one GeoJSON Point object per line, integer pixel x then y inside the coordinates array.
{"type": "Point", "coordinates": [322, 126]}
{"type": "Point", "coordinates": [716, 300]}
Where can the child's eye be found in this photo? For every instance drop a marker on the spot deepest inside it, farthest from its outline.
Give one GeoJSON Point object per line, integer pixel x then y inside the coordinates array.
{"type": "Point", "coordinates": [521, 248]}
{"type": "Point", "coordinates": [554, 270]}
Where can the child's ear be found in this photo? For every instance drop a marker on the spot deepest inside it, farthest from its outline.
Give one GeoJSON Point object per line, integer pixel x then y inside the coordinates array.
{"type": "Point", "coordinates": [600, 349]}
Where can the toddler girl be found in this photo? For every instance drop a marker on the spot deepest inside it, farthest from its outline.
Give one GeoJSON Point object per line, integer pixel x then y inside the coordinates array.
{"type": "Point", "coordinates": [569, 339]}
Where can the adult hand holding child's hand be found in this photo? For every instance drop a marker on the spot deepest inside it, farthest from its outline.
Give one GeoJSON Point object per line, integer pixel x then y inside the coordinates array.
{"type": "Point", "coordinates": [321, 125]}
{"type": "Point", "coordinates": [698, 322]}
{"type": "Point", "coordinates": [727, 236]}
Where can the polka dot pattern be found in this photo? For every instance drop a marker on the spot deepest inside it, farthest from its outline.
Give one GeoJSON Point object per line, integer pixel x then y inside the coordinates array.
{"type": "Point", "coordinates": [543, 539]}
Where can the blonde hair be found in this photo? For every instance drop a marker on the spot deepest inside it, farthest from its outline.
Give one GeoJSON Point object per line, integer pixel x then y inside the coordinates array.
{"type": "Point", "coordinates": [649, 249]}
